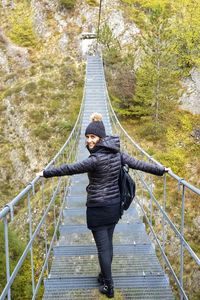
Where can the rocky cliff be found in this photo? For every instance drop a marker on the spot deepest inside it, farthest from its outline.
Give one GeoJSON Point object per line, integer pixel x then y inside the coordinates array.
{"type": "Point", "coordinates": [42, 67]}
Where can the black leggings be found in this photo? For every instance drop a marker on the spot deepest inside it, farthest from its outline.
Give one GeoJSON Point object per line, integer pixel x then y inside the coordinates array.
{"type": "Point", "coordinates": [103, 240]}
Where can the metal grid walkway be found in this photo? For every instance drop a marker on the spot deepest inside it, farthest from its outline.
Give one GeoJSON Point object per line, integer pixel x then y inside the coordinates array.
{"type": "Point", "coordinates": [137, 273]}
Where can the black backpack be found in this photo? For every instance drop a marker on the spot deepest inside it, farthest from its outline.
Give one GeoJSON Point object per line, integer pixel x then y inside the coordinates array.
{"type": "Point", "coordinates": [126, 186]}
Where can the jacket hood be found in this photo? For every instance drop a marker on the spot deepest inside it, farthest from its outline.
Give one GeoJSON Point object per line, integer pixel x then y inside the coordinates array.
{"type": "Point", "coordinates": [111, 143]}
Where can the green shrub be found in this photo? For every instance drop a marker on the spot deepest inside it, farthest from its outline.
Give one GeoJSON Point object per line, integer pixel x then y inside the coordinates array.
{"type": "Point", "coordinates": [21, 31]}
{"type": "Point", "coordinates": [45, 83]}
{"type": "Point", "coordinates": [63, 126]}
{"type": "Point", "coordinates": [68, 73]}
{"type": "Point", "coordinates": [10, 76]}
{"type": "Point", "coordinates": [13, 90]}
{"type": "Point", "coordinates": [2, 107]}
{"type": "Point", "coordinates": [30, 87]}
{"type": "Point", "coordinates": [92, 2]}
{"type": "Point", "coordinates": [176, 159]}
{"type": "Point", "coordinates": [42, 132]}
{"type": "Point", "coordinates": [53, 106]}
{"type": "Point", "coordinates": [36, 115]}
{"type": "Point", "coordinates": [68, 3]}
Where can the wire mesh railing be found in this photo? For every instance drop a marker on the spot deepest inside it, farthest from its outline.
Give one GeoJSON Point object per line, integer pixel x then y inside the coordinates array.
{"type": "Point", "coordinates": [156, 200]}
{"type": "Point", "coordinates": [34, 215]}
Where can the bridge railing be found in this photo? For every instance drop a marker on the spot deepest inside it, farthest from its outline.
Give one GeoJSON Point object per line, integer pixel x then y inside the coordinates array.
{"type": "Point", "coordinates": [155, 199]}
{"type": "Point", "coordinates": [35, 214]}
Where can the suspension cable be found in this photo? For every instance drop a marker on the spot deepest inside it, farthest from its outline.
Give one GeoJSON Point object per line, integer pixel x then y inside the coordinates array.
{"type": "Point", "coordinates": [99, 20]}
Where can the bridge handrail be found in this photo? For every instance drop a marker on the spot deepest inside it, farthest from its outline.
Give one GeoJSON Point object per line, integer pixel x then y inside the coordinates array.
{"type": "Point", "coordinates": [165, 217]}
{"type": "Point", "coordinates": [172, 225]}
{"type": "Point", "coordinates": [171, 173]}
{"type": "Point", "coordinates": [179, 179]}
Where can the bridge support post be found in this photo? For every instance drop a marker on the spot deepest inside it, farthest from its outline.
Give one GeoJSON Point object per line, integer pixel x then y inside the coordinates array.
{"type": "Point", "coordinates": [151, 203]}
{"type": "Point", "coordinates": [182, 236]}
{"type": "Point", "coordinates": [45, 226]}
{"type": "Point", "coordinates": [163, 218]}
{"type": "Point", "coordinates": [7, 254]}
{"type": "Point", "coordinates": [30, 236]}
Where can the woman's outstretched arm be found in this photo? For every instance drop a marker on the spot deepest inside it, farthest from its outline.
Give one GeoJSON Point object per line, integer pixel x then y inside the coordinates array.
{"type": "Point", "coordinates": [143, 166]}
{"type": "Point", "coordinates": [84, 166]}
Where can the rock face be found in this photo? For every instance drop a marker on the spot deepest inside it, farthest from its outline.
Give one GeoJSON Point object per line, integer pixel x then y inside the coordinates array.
{"type": "Point", "coordinates": [39, 18]}
{"type": "Point", "coordinates": [124, 31]}
{"type": "Point", "coordinates": [191, 98]}
{"type": "Point", "coordinates": [19, 55]}
{"type": "Point", "coordinates": [59, 32]}
{"type": "Point", "coordinates": [8, 3]}
{"type": "Point", "coordinates": [16, 132]}
{"type": "Point", "coordinates": [4, 62]}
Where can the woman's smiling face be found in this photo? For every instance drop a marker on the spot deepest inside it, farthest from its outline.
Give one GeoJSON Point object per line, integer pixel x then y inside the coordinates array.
{"type": "Point", "coordinates": [91, 140]}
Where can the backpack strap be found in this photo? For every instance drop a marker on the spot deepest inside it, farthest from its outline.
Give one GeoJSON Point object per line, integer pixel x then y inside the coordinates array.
{"type": "Point", "coordinates": [121, 158]}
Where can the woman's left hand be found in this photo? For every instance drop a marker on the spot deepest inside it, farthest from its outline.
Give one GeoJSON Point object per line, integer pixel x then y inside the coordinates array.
{"type": "Point", "coordinates": [167, 170]}
{"type": "Point", "coordinates": [40, 174]}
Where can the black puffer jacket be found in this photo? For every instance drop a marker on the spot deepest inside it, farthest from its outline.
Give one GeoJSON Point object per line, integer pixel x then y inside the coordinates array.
{"type": "Point", "coordinates": [103, 167]}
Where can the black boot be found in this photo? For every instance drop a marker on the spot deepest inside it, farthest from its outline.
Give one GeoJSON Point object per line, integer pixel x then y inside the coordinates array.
{"type": "Point", "coordinates": [100, 279]}
{"type": "Point", "coordinates": [107, 289]}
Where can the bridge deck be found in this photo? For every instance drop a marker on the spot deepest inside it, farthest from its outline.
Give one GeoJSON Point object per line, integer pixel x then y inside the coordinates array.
{"type": "Point", "coordinates": [137, 272]}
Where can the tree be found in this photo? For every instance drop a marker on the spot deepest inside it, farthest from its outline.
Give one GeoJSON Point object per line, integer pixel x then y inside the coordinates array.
{"type": "Point", "coordinates": [186, 28]}
{"type": "Point", "coordinates": [157, 78]}
{"type": "Point", "coordinates": [107, 39]}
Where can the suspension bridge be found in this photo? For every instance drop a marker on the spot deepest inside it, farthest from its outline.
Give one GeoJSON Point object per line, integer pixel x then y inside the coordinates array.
{"type": "Point", "coordinates": [68, 259]}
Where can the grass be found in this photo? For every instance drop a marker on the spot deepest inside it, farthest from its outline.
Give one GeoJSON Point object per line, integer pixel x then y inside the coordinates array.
{"type": "Point", "coordinates": [175, 148]}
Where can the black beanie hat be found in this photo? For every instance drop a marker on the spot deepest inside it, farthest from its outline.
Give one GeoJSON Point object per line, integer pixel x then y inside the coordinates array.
{"type": "Point", "coordinates": [96, 126]}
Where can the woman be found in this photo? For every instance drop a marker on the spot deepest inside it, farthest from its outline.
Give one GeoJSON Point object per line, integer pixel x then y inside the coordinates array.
{"type": "Point", "coordinates": [103, 198]}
